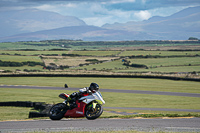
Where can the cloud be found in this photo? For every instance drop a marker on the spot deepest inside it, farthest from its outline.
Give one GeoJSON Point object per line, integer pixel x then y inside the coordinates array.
{"type": "Point", "coordinates": [99, 12]}
{"type": "Point", "coordinates": [143, 15]}
{"type": "Point", "coordinates": [150, 4]}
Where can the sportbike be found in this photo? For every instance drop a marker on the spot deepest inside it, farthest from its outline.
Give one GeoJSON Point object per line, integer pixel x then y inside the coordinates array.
{"type": "Point", "coordinates": [88, 105]}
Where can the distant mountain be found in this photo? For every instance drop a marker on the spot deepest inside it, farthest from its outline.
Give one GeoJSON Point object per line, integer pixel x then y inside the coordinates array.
{"type": "Point", "coordinates": [31, 20]}
{"type": "Point", "coordinates": [178, 26]}
{"type": "Point", "coordinates": [47, 25]}
{"type": "Point", "coordinates": [87, 33]}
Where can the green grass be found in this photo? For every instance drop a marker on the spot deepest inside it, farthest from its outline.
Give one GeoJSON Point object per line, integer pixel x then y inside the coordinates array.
{"type": "Point", "coordinates": [178, 64]}
{"type": "Point", "coordinates": [105, 66]}
{"type": "Point", "coordinates": [14, 113]}
{"type": "Point", "coordinates": [174, 69]}
{"type": "Point", "coordinates": [14, 58]}
{"type": "Point", "coordinates": [112, 99]}
{"type": "Point", "coordinates": [32, 52]}
{"type": "Point", "coordinates": [150, 101]}
{"type": "Point", "coordinates": [21, 45]}
{"type": "Point", "coordinates": [37, 95]}
{"type": "Point", "coordinates": [19, 58]}
{"type": "Point", "coordinates": [96, 53]}
{"type": "Point", "coordinates": [108, 83]}
{"type": "Point", "coordinates": [185, 61]}
{"type": "Point", "coordinates": [72, 61]}
{"type": "Point", "coordinates": [184, 64]}
{"type": "Point", "coordinates": [160, 53]}
{"type": "Point", "coordinates": [23, 67]}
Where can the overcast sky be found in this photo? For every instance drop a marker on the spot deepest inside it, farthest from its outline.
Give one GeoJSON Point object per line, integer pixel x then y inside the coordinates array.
{"type": "Point", "coordinates": [99, 12]}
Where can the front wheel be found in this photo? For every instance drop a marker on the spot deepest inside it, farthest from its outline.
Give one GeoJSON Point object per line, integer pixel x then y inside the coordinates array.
{"type": "Point", "coordinates": [93, 113]}
{"type": "Point", "coordinates": [57, 111]}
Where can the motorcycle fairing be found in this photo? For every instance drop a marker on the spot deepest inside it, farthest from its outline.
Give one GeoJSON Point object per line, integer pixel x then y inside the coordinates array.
{"type": "Point", "coordinates": [64, 96]}
{"type": "Point", "coordinates": [79, 111]}
{"type": "Point", "coordinates": [95, 96]}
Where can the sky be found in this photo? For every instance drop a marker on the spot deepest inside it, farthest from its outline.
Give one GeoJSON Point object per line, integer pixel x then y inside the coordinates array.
{"type": "Point", "coordinates": [100, 12]}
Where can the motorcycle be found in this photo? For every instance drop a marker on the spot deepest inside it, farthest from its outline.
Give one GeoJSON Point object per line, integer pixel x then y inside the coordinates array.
{"type": "Point", "coordinates": [89, 106]}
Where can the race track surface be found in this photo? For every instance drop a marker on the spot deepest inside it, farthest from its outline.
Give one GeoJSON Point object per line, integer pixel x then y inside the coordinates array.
{"type": "Point", "coordinates": [175, 125]}
{"type": "Point", "coordinates": [105, 90]}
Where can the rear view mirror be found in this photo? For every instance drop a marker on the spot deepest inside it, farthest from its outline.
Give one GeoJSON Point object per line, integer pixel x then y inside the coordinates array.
{"type": "Point", "coordinates": [66, 86]}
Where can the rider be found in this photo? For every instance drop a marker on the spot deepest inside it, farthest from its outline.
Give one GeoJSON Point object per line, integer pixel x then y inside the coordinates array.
{"type": "Point", "coordinates": [82, 92]}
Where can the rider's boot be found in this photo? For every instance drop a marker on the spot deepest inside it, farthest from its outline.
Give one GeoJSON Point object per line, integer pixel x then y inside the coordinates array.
{"type": "Point", "coordinates": [72, 104]}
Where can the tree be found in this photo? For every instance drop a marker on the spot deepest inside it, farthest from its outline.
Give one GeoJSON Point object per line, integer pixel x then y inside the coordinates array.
{"type": "Point", "coordinates": [193, 38]}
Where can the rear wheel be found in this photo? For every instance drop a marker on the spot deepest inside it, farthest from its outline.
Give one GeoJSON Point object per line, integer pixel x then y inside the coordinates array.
{"type": "Point", "coordinates": [93, 113]}
{"type": "Point", "coordinates": [57, 111]}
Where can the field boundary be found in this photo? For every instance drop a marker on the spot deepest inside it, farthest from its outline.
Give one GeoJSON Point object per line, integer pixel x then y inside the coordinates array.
{"type": "Point", "coordinates": [102, 76]}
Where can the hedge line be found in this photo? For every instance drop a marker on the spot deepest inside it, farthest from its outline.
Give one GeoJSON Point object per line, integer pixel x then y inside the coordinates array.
{"type": "Point", "coordinates": [102, 76]}
{"type": "Point", "coordinates": [18, 64]}
{"type": "Point", "coordinates": [36, 105]}
{"type": "Point", "coordinates": [41, 106]}
{"type": "Point", "coordinates": [158, 56]}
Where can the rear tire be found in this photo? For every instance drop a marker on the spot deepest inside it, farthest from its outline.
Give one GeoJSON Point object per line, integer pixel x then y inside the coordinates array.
{"type": "Point", "coordinates": [57, 111]}
{"type": "Point", "coordinates": [91, 113]}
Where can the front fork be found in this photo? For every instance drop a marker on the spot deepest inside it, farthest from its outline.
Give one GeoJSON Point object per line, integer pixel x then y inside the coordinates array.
{"type": "Point", "coordinates": [94, 104]}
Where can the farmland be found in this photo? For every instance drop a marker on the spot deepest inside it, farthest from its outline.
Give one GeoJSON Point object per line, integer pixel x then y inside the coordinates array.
{"type": "Point", "coordinates": [101, 61]}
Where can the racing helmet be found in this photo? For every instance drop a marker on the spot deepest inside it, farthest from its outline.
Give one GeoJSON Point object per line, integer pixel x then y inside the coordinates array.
{"type": "Point", "coordinates": [94, 87]}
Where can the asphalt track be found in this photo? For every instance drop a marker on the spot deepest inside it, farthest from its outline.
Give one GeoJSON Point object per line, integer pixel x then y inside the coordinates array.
{"type": "Point", "coordinates": [105, 90]}
{"type": "Point", "coordinates": [148, 125]}
{"type": "Point", "coordinates": [118, 91]}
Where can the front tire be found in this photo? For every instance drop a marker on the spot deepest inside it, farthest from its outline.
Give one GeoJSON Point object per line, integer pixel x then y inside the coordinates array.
{"type": "Point", "coordinates": [57, 111]}
{"type": "Point", "coordinates": [93, 113]}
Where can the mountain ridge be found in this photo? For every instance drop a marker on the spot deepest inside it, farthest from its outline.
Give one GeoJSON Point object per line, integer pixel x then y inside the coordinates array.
{"type": "Point", "coordinates": [31, 20]}
{"type": "Point", "coordinates": [178, 26]}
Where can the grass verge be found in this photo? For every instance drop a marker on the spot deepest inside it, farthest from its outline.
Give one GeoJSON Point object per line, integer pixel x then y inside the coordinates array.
{"type": "Point", "coordinates": [152, 116]}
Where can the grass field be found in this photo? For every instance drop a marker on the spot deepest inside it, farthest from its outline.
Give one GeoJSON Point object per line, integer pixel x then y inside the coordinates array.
{"type": "Point", "coordinates": [107, 83]}
{"type": "Point", "coordinates": [13, 69]}
{"type": "Point", "coordinates": [176, 69]}
{"type": "Point", "coordinates": [181, 61]}
{"type": "Point", "coordinates": [14, 113]}
{"type": "Point", "coordinates": [105, 66]}
{"type": "Point", "coordinates": [19, 58]}
{"type": "Point", "coordinates": [85, 53]}
{"type": "Point", "coordinates": [19, 46]}
{"type": "Point", "coordinates": [159, 53]}
{"type": "Point", "coordinates": [97, 53]}
{"type": "Point", "coordinates": [112, 99]}
{"type": "Point", "coordinates": [72, 61]}
{"type": "Point", "coordinates": [13, 52]}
